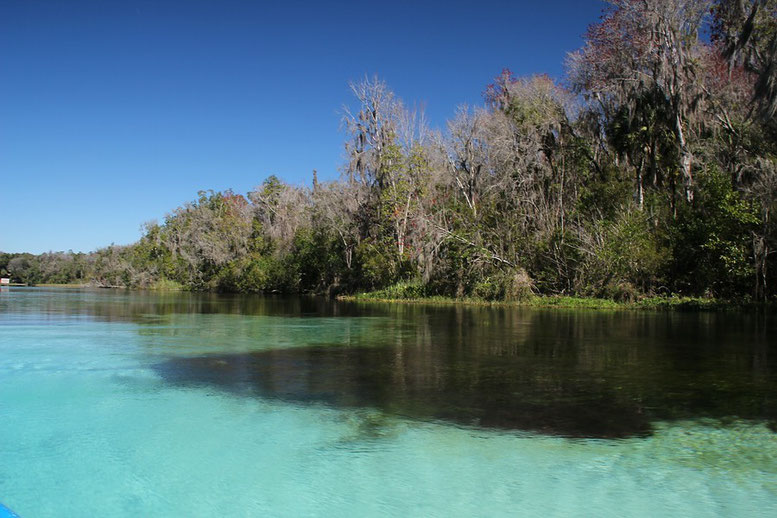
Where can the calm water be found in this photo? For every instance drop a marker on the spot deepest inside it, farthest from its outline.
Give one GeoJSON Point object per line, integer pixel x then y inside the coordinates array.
{"type": "Point", "coordinates": [142, 404]}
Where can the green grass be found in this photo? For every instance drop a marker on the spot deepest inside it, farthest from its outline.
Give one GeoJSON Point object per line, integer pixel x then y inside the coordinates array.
{"type": "Point", "coordinates": [167, 285]}
{"type": "Point", "coordinates": [690, 303]}
{"type": "Point", "coordinates": [410, 293]}
{"type": "Point", "coordinates": [535, 301]}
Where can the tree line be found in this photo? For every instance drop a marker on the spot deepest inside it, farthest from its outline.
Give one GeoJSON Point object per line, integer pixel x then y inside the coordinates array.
{"type": "Point", "coordinates": [650, 168]}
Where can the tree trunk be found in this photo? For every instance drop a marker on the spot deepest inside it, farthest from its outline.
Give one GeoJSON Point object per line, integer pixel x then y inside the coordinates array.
{"type": "Point", "coordinates": [640, 195]}
{"type": "Point", "coordinates": [686, 159]}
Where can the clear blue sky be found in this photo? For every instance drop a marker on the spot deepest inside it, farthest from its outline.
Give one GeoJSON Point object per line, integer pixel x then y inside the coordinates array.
{"type": "Point", "coordinates": [113, 113]}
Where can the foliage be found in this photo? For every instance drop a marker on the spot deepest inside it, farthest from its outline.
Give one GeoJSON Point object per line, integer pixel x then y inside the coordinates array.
{"type": "Point", "coordinates": [713, 240]}
{"type": "Point", "coordinates": [650, 171]}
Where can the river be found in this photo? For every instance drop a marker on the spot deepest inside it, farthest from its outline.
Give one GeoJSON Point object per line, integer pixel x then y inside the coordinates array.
{"type": "Point", "coordinates": [118, 403]}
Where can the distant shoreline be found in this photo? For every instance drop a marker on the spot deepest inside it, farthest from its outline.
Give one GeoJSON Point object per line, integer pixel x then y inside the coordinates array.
{"type": "Point", "coordinates": [57, 285]}
{"type": "Point", "coordinates": [678, 303]}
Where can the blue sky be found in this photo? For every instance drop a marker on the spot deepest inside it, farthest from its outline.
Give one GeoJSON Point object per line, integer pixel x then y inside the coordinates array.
{"type": "Point", "coordinates": [113, 113]}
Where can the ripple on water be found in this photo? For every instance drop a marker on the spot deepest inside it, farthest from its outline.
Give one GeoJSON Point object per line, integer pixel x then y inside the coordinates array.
{"type": "Point", "coordinates": [254, 410]}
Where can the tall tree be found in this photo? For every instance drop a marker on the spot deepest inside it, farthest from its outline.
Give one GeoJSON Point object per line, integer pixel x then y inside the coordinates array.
{"type": "Point", "coordinates": [747, 30]}
{"type": "Point", "coordinates": [647, 48]}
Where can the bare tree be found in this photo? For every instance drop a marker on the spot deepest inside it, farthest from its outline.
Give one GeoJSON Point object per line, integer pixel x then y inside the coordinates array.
{"type": "Point", "coordinates": [388, 157]}
{"type": "Point", "coordinates": [281, 209]}
{"type": "Point", "coordinates": [336, 209]}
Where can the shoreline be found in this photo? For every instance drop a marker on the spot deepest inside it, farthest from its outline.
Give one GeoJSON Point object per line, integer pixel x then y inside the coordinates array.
{"type": "Point", "coordinates": [567, 302]}
{"type": "Point", "coordinates": [656, 303]}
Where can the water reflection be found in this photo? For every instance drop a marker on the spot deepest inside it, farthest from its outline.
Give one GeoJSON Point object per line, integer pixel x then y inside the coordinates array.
{"type": "Point", "coordinates": [577, 374]}
{"type": "Point", "coordinates": [146, 307]}
{"type": "Point", "coordinates": [573, 373]}
{"type": "Point", "coordinates": [471, 390]}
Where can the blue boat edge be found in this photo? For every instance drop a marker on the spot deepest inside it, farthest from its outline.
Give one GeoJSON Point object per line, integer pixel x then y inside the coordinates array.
{"type": "Point", "coordinates": [7, 513]}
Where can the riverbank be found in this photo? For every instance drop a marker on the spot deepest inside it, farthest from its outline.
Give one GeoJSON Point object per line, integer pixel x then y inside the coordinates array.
{"type": "Point", "coordinates": [60, 285]}
{"type": "Point", "coordinates": [401, 295]}
{"type": "Point", "coordinates": [161, 285]}
{"type": "Point", "coordinates": [559, 301]}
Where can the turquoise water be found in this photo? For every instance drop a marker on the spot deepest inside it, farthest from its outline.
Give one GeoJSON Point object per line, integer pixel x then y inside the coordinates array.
{"type": "Point", "coordinates": [135, 404]}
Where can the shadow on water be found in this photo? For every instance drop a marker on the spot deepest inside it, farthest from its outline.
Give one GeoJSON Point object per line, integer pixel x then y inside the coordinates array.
{"type": "Point", "coordinates": [563, 372]}
{"type": "Point", "coordinates": [471, 392]}
{"type": "Point", "coordinates": [574, 374]}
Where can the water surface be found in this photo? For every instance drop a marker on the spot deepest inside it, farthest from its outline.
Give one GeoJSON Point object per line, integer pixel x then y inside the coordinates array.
{"type": "Point", "coordinates": [120, 403]}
